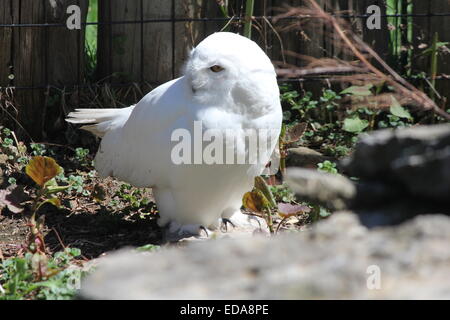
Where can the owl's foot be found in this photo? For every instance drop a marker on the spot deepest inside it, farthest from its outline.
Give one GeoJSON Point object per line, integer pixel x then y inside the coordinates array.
{"type": "Point", "coordinates": [202, 228]}
{"type": "Point", "coordinates": [175, 231]}
{"type": "Point", "coordinates": [224, 224]}
{"type": "Point", "coordinates": [244, 222]}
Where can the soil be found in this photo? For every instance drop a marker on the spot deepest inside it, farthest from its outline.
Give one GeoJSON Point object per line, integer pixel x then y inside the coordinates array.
{"type": "Point", "coordinates": [93, 233]}
{"type": "Point", "coordinates": [93, 226]}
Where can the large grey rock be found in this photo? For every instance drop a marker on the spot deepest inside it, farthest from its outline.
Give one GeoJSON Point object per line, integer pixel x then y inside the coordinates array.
{"type": "Point", "coordinates": [402, 173]}
{"type": "Point", "coordinates": [331, 261]}
{"type": "Point", "coordinates": [416, 160]}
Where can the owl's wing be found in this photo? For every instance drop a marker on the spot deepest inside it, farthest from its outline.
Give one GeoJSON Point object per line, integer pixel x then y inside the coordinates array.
{"type": "Point", "coordinates": [135, 144]}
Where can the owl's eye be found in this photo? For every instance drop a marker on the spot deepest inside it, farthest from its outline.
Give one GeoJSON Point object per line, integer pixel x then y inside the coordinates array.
{"type": "Point", "coordinates": [216, 68]}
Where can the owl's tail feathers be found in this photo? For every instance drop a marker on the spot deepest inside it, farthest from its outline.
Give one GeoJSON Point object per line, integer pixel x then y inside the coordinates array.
{"type": "Point", "coordinates": [100, 121]}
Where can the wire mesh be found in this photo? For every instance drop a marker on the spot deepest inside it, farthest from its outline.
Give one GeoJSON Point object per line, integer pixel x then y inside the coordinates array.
{"type": "Point", "coordinates": [173, 19]}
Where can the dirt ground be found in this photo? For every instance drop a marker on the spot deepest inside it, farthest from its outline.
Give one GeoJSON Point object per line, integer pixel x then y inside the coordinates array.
{"type": "Point", "coordinates": [93, 233]}
{"type": "Point", "coordinates": [96, 222]}
{"type": "Point", "coordinates": [92, 226]}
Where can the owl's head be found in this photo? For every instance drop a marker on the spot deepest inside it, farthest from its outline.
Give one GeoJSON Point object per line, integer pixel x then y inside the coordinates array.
{"type": "Point", "coordinates": [226, 64]}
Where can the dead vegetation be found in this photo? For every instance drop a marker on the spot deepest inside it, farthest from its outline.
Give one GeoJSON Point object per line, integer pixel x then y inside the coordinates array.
{"type": "Point", "coordinates": [359, 65]}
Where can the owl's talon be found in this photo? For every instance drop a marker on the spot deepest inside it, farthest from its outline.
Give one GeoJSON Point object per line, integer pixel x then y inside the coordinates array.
{"type": "Point", "coordinates": [204, 229]}
{"type": "Point", "coordinates": [224, 226]}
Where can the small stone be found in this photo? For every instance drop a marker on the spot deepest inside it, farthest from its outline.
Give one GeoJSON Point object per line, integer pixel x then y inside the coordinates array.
{"type": "Point", "coordinates": [305, 158]}
{"type": "Point", "coordinates": [334, 191]}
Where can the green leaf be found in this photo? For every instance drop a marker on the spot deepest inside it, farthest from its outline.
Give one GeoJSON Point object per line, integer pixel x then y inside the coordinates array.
{"type": "Point", "coordinates": [74, 252]}
{"type": "Point", "coordinates": [54, 201]}
{"type": "Point", "coordinates": [148, 248]}
{"type": "Point", "coordinates": [262, 186]}
{"type": "Point", "coordinates": [324, 212]}
{"type": "Point", "coordinates": [55, 189]}
{"type": "Point", "coordinates": [223, 5]}
{"type": "Point", "coordinates": [361, 91]}
{"type": "Point", "coordinates": [397, 110]}
{"type": "Point", "coordinates": [355, 125]}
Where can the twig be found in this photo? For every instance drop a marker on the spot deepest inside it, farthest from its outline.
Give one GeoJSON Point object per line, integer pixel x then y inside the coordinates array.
{"type": "Point", "coordinates": [17, 143]}
{"type": "Point", "coordinates": [432, 86]}
{"type": "Point", "coordinates": [59, 238]}
{"type": "Point", "coordinates": [17, 122]}
{"type": "Point", "coordinates": [228, 23]}
{"type": "Point", "coordinates": [320, 70]}
{"type": "Point", "coordinates": [278, 37]}
{"type": "Point", "coordinates": [281, 223]}
{"type": "Point", "coordinates": [367, 71]}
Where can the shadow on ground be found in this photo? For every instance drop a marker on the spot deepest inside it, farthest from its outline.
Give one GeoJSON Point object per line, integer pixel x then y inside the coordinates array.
{"type": "Point", "coordinates": [93, 233]}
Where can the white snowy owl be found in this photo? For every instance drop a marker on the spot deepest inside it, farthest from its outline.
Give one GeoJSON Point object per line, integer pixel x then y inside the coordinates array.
{"type": "Point", "coordinates": [229, 87]}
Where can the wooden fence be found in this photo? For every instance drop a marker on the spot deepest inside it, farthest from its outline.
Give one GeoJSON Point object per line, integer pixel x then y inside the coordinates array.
{"type": "Point", "coordinates": [146, 41]}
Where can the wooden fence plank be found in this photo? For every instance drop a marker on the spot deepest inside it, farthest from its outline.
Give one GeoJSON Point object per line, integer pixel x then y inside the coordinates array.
{"type": "Point", "coordinates": [36, 56]}
{"type": "Point", "coordinates": [378, 39]}
{"type": "Point", "coordinates": [189, 34]}
{"type": "Point", "coordinates": [119, 52]}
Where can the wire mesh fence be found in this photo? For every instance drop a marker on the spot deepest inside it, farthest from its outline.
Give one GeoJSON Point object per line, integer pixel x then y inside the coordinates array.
{"type": "Point", "coordinates": [125, 48]}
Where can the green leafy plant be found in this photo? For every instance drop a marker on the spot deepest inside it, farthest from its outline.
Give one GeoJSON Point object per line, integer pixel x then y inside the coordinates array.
{"type": "Point", "coordinates": [33, 273]}
{"type": "Point", "coordinates": [262, 201]}
{"type": "Point", "coordinates": [148, 248]}
{"type": "Point", "coordinates": [33, 276]}
{"type": "Point", "coordinates": [318, 212]}
{"type": "Point", "coordinates": [81, 155]}
{"type": "Point", "coordinates": [282, 193]}
{"type": "Point", "coordinates": [327, 166]}
{"type": "Point", "coordinates": [133, 196]}
{"type": "Point", "coordinates": [355, 124]}
{"type": "Point", "coordinates": [43, 171]}
{"type": "Point", "coordinates": [397, 110]}
{"type": "Point", "coordinates": [77, 184]}
{"type": "Point", "coordinates": [12, 152]}
{"type": "Point", "coordinates": [38, 149]}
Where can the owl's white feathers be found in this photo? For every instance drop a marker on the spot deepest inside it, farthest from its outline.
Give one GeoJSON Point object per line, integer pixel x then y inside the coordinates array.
{"type": "Point", "coordinates": [136, 141]}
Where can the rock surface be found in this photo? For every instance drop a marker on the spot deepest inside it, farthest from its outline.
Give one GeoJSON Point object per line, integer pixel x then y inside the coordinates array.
{"type": "Point", "coordinates": [415, 160]}
{"type": "Point", "coordinates": [331, 261]}
{"type": "Point", "coordinates": [333, 191]}
{"type": "Point", "coordinates": [402, 173]}
{"type": "Point", "coordinates": [404, 186]}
